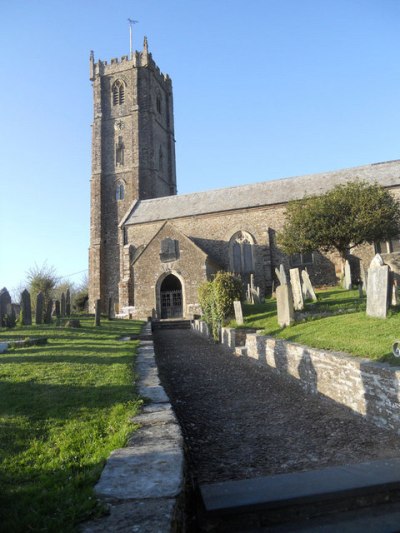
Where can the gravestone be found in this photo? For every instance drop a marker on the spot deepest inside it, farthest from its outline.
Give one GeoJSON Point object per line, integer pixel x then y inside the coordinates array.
{"type": "Point", "coordinates": [298, 301]}
{"type": "Point", "coordinates": [378, 288]}
{"type": "Point", "coordinates": [308, 290]}
{"type": "Point", "coordinates": [5, 299]}
{"type": "Point", "coordinates": [97, 313]}
{"type": "Point", "coordinates": [26, 308]}
{"type": "Point", "coordinates": [49, 309]}
{"type": "Point", "coordinates": [364, 278]}
{"type": "Point", "coordinates": [62, 304]}
{"type": "Point", "coordinates": [68, 303]}
{"type": "Point", "coordinates": [10, 320]}
{"type": "Point", "coordinates": [347, 276]}
{"type": "Point", "coordinates": [394, 296]}
{"type": "Point", "coordinates": [56, 310]}
{"type": "Point", "coordinates": [39, 308]}
{"type": "Point", "coordinates": [237, 305]}
{"type": "Point", "coordinates": [284, 299]}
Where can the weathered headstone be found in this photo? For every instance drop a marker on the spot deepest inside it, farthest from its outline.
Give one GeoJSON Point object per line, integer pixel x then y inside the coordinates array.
{"type": "Point", "coordinates": [298, 301]}
{"type": "Point", "coordinates": [10, 317]}
{"type": "Point", "coordinates": [97, 313]}
{"type": "Point", "coordinates": [237, 305]}
{"type": "Point", "coordinates": [39, 308]}
{"type": "Point", "coordinates": [62, 304]}
{"type": "Point", "coordinates": [347, 276]}
{"type": "Point", "coordinates": [26, 308]}
{"type": "Point", "coordinates": [308, 289]}
{"type": "Point", "coordinates": [68, 303]}
{"type": "Point", "coordinates": [49, 309]}
{"type": "Point", "coordinates": [378, 288]}
{"type": "Point", "coordinates": [5, 299]}
{"type": "Point", "coordinates": [57, 308]}
{"type": "Point", "coordinates": [284, 299]}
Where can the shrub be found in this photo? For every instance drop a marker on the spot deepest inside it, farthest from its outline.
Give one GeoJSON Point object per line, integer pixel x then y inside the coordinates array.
{"type": "Point", "coordinates": [216, 299]}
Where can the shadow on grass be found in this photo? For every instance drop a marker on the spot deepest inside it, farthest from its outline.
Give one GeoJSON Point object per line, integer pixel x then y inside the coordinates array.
{"type": "Point", "coordinates": [37, 401]}
{"type": "Point", "coordinates": [74, 359]}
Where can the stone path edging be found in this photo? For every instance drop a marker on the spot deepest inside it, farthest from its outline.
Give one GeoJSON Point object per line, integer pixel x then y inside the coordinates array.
{"type": "Point", "coordinates": [143, 483]}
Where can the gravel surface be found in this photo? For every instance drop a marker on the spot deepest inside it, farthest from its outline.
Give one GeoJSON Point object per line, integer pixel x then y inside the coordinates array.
{"type": "Point", "coordinates": [240, 420]}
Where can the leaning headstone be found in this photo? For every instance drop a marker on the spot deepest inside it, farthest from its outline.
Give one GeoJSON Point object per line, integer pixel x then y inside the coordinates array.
{"type": "Point", "coordinates": [378, 288]}
{"type": "Point", "coordinates": [26, 308]}
{"type": "Point", "coordinates": [49, 308]}
{"type": "Point", "coordinates": [298, 301]}
{"type": "Point", "coordinates": [284, 299]}
{"type": "Point", "coordinates": [308, 289]}
{"type": "Point", "coordinates": [39, 308]}
{"type": "Point", "coordinates": [347, 276]}
{"type": "Point", "coordinates": [62, 304]}
{"type": "Point", "coordinates": [97, 313]}
{"type": "Point", "coordinates": [68, 303]}
{"type": "Point", "coordinates": [5, 299]}
{"type": "Point", "coordinates": [237, 305]}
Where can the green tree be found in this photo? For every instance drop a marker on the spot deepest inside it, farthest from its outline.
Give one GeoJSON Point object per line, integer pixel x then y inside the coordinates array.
{"type": "Point", "coordinates": [216, 299]}
{"type": "Point", "coordinates": [342, 218]}
{"type": "Point", "coordinates": [41, 279]}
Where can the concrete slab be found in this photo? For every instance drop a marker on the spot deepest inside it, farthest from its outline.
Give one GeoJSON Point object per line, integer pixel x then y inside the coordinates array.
{"type": "Point", "coordinates": [302, 487]}
{"type": "Point", "coordinates": [155, 394]}
{"type": "Point", "coordinates": [148, 516]}
{"type": "Point", "coordinates": [148, 471]}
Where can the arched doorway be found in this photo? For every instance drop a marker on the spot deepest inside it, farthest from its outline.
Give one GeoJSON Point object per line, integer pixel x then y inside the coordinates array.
{"type": "Point", "coordinates": [171, 297]}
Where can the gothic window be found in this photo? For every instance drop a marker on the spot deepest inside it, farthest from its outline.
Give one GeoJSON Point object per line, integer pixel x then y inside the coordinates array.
{"type": "Point", "coordinates": [241, 253]}
{"type": "Point", "coordinates": [118, 92]}
{"type": "Point", "coordinates": [119, 152]}
{"type": "Point", "coordinates": [169, 250]}
{"type": "Point", "coordinates": [160, 160]}
{"type": "Point", "coordinates": [120, 191]}
{"type": "Point", "coordinates": [297, 260]}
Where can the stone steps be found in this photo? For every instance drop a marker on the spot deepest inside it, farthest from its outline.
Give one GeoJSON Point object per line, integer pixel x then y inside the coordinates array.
{"type": "Point", "coordinates": [170, 324]}
{"type": "Point", "coordinates": [331, 499]}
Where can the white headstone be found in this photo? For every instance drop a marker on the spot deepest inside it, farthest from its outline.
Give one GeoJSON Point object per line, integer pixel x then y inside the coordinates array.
{"type": "Point", "coordinates": [347, 276]}
{"type": "Point", "coordinates": [308, 290]}
{"type": "Point", "coordinates": [298, 301]}
{"type": "Point", "coordinates": [378, 288]}
{"type": "Point", "coordinates": [237, 305]}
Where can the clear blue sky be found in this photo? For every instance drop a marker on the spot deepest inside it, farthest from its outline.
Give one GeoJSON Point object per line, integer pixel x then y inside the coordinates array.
{"type": "Point", "coordinates": [263, 89]}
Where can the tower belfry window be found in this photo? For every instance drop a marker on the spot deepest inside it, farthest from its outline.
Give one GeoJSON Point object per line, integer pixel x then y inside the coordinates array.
{"type": "Point", "coordinates": [118, 93]}
{"type": "Point", "coordinates": [120, 191]}
{"type": "Point", "coordinates": [119, 152]}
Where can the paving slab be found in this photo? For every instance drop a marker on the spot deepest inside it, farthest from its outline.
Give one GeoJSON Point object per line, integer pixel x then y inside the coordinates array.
{"type": "Point", "coordinates": [147, 471]}
{"type": "Point", "coordinates": [300, 487]}
{"type": "Point", "coordinates": [152, 434]}
{"type": "Point", "coordinates": [154, 394]}
{"type": "Point", "coordinates": [149, 516]}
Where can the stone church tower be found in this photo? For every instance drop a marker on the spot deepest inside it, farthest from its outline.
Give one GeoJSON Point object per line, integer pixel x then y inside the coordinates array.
{"type": "Point", "coordinates": [133, 156]}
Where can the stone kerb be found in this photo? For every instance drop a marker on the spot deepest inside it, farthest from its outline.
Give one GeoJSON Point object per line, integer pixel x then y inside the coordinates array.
{"type": "Point", "coordinates": [143, 482]}
{"type": "Point", "coordinates": [368, 388]}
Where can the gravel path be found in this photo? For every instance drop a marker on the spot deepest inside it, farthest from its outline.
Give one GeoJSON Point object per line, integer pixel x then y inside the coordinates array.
{"type": "Point", "coordinates": [241, 420]}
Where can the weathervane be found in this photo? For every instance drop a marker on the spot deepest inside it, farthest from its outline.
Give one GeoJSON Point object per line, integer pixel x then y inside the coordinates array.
{"type": "Point", "coordinates": [131, 23]}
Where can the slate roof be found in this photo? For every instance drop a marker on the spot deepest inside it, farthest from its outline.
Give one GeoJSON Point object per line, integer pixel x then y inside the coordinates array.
{"type": "Point", "coordinates": [264, 193]}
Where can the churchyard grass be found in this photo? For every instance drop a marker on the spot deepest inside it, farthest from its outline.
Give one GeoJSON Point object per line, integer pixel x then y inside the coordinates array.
{"type": "Point", "coordinates": [64, 407]}
{"type": "Point", "coordinates": [337, 321]}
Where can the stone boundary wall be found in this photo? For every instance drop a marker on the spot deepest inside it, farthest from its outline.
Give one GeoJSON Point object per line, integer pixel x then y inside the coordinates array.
{"type": "Point", "coordinates": [143, 483]}
{"type": "Point", "coordinates": [368, 388]}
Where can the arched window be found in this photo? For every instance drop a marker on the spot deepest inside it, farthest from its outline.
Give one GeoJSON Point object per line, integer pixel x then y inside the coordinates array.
{"type": "Point", "coordinates": [241, 253]}
{"type": "Point", "coordinates": [120, 191]}
{"type": "Point", "coordinates": [119, 152]}
{"type": "Point", "coordinates": [118, 92]}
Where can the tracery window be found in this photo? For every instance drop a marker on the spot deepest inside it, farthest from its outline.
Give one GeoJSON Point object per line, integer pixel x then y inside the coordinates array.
{"type": "Point", "coordinates": [241, 253]}
{"type": "Point", "coordinates": [120, 191]}
{"type": "Point", "coordinates": [118, 92]}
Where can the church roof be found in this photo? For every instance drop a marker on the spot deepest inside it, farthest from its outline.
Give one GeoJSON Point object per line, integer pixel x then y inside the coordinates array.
{"type": "Point", "coordinates": [264, 193]}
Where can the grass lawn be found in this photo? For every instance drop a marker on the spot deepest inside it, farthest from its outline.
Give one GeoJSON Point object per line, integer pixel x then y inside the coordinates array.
{"type": "Point", "coordinates": [64, 407]}
{"type": "Point", "coordinates": [339, 323]}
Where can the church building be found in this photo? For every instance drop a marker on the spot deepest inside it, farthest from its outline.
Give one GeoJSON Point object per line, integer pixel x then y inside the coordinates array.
{"type": "Point", "coordinates": [150, 248]}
